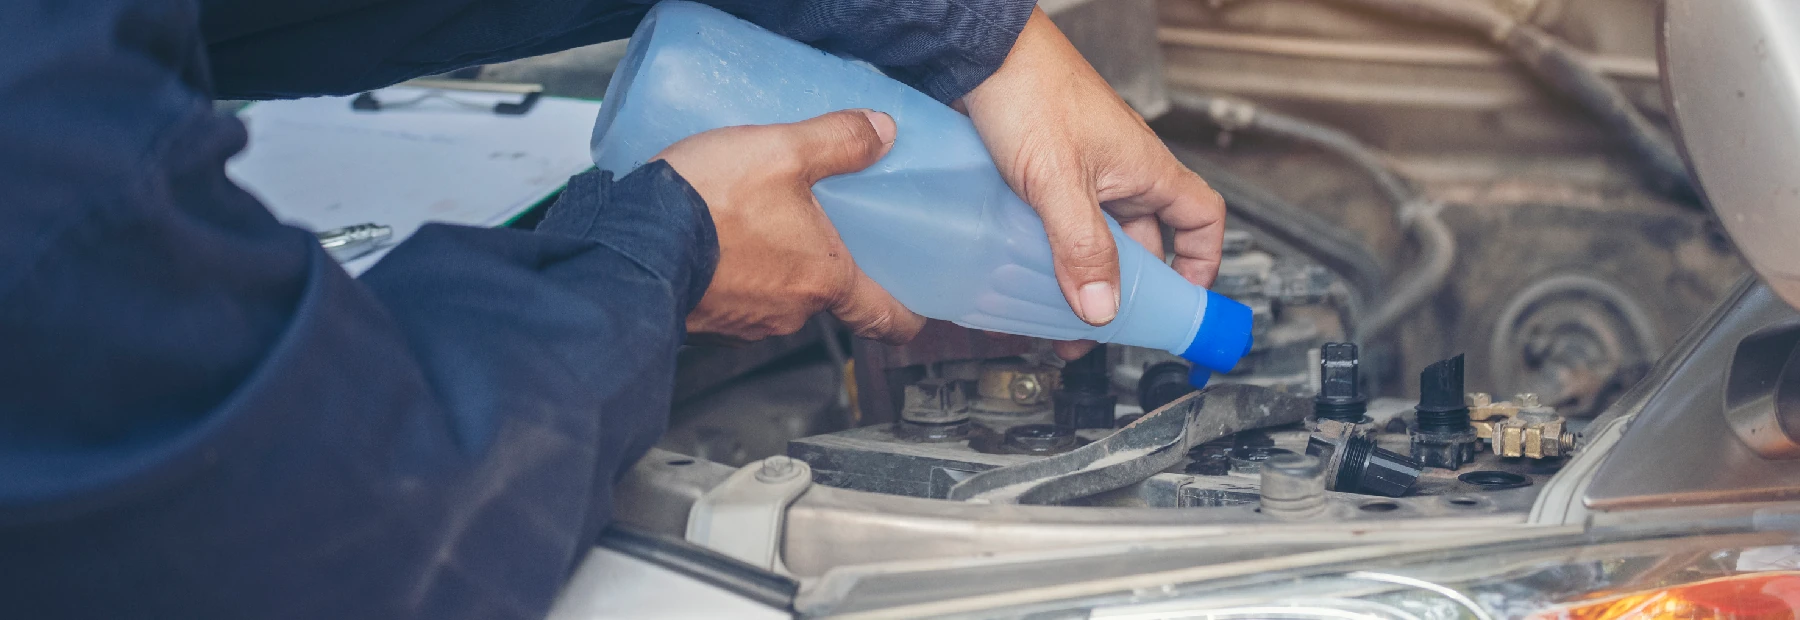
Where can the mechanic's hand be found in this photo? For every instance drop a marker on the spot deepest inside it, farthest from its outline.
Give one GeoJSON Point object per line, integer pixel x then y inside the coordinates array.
{"type": "Point", "coordinates": [1069, 146]}
{"type": "Point", "coordinates": [780, 260]}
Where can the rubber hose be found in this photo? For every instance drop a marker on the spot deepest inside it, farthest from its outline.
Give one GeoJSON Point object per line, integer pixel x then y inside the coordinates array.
{"type": "Point", "coordinates": [1291, 225]}
{"type": "Point", "coordinates": [1560, 66]}
{"type": "Point", "coordinates": [1557, 64]}
{"type": "Point", "coordinates": [1340, 143]}
{"type": "Point", "coordinates": [1437, 244]}
{"type": "Point", "coordinates": [1437, 254]}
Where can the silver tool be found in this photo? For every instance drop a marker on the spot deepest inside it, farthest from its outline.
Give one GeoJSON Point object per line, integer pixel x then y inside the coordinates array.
{"type": "Point", "coordinates": [353, 241]}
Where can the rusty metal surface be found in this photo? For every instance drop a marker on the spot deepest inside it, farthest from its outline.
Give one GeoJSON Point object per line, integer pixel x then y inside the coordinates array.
{"type": "Point", "coordinates": [883, 370]}
{"type": "Point", "coordinates": [1670, 264]}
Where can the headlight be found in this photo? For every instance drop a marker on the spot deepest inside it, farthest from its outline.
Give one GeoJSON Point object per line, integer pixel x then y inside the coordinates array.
{"type": "Point", "coordinates": [1745, 576]}
{"type": "Point", "coordinates": [1737, 597]}
{"type": "Point", "coordinates": [1673, 571]}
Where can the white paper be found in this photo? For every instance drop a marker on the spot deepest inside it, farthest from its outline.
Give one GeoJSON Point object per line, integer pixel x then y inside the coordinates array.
{"type": "Point", "coordinates": [318, 164]}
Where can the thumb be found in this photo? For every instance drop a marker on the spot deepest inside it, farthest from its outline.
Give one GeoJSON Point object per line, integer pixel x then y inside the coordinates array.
{"type": "Point", "coordinates": [870, 312]}
{"type": "Point", "coordinates": [841, 142]}
{"type": "Point", "coordinates": [1081, 245]}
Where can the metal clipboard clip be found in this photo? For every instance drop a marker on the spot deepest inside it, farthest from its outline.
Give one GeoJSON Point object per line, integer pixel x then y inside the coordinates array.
{"type": "Point", "coordinates": [445, 90]}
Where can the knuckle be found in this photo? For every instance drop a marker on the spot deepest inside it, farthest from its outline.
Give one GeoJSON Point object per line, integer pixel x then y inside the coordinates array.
{"type": "Point", "coordinates": [1212, 198]}
{"type": "Point", "coordinates": [819, 294]}
{"type": "Point", "coordinates": [1090, 250]}
{"type": "Point", "coordinates": [1040, 173]}
{"type": "Point", "coordinates": [875, 324]}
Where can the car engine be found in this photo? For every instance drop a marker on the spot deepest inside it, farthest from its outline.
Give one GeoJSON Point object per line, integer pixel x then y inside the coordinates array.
{"type": "Point", "coordinates": [1458, 226]}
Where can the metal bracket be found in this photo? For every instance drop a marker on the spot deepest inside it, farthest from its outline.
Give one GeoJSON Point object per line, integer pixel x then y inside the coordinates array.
{"type": "Point", "coordinates": [443, 89]}
{"type": "Point", "coordinates": [743, 516]}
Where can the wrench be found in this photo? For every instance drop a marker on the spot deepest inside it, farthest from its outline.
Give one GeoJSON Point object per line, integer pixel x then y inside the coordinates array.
{"type": "Point", "coordinates": [1153, 443]}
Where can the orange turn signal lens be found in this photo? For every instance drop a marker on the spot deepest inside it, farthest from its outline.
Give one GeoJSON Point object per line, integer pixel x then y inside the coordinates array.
{"type": "Point", "coordinates": [1750, 596]}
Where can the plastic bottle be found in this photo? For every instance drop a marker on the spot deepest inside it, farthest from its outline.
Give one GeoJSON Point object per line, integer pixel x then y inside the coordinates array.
{"type": "Point", "coordinates": [933, 222]}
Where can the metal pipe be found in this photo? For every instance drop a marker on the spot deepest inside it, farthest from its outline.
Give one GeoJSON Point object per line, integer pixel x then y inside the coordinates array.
{"type": "Point", "coordinates": [1620, 67]}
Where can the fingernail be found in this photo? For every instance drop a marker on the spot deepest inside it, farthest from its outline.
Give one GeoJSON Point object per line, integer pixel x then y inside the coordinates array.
{"type": "Point", "coordinates": [883, 124]}
{"type": "Point", "coordinates": [1098, 302]}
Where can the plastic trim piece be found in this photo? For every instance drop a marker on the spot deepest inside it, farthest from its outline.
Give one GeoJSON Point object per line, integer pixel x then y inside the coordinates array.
{"type": "Point", "coordinates": [743, 517]}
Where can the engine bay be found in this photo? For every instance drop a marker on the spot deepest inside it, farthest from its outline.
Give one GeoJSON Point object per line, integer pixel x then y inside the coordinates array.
{"type": "Point", "coordinates": [1404, 194]}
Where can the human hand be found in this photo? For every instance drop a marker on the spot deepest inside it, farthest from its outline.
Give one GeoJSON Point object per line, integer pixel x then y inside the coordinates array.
{"type": "Point", "coordinates": [780, 259]}
{"type": "Point", "coordinates": [1070, 146]}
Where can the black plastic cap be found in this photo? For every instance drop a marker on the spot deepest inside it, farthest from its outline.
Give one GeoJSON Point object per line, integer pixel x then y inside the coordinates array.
{"type": "Point", "coordinates": [1390, 474]}
{"type": "Point", "coordinates": [1441, 386]}
{"type": "Point", "coordinates": [1339, 396]}
{"type": "Point", "coordinates": [1085, 400]}
{"type": "Point", "coordinates": [1441, 405]}
{"type": "Point", "coordinates": [1088, 373]}
{"type": "Point", "coordinates": [1162, 384]}
{"type": "Point", "coordinates": [1084, 410]}
{"type": "Point", "coordinates": [1371, 470]}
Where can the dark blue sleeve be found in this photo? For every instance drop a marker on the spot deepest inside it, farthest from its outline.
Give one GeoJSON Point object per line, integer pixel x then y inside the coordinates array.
{"type": "Point", "coordinates": [288, 49]}
{"type": "Point", "coordinates": [203, 416]}
{"type": "Point", "coordinates": [945, 48]}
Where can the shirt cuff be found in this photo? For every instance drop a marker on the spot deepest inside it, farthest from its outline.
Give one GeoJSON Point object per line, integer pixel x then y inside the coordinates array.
{"type": "Point", "coordinates": [974, 52]}
{"type": "Point", "coordinates": [651, 215]}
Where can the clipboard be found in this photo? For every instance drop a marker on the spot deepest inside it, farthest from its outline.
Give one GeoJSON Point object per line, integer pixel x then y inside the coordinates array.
{"type": "Point", "coordinates": [322, 164]}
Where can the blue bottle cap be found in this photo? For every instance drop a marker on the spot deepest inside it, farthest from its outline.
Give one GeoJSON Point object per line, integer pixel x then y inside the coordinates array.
{"type": "Point", "coordinates": [1223, 337]}
{"type": "Point", "coordinates": [1198, 376]}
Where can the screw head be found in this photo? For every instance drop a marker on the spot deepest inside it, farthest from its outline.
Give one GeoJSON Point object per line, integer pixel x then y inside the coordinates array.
{"type": "Point", "coordinates": [1024, 389]}
{"type": "Point", "coordinates": [777, 468]}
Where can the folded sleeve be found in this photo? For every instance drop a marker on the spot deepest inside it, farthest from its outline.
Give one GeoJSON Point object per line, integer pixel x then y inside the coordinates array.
{"type": "Point", "coordinates": [205, 417]}
{"type": "Point", "coordinates": [271, 49]}
{"type": "Point", "coordinates": [945, 48]}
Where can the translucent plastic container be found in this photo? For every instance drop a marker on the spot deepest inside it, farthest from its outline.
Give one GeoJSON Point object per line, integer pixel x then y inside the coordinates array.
{"type": "Point", "coordinates": [932, 222]}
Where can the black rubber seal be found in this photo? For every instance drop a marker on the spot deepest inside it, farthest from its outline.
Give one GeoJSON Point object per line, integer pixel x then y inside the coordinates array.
{"type": "Point", "coordinates": [1495, 480]}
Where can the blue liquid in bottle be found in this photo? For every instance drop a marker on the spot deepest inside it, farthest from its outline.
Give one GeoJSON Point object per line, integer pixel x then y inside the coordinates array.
{"type": "Point", "coordinates": [933, 222]}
